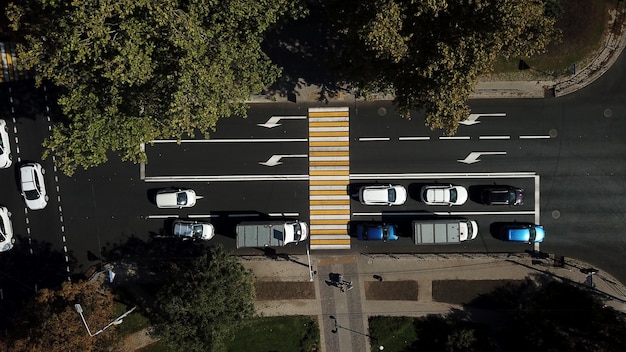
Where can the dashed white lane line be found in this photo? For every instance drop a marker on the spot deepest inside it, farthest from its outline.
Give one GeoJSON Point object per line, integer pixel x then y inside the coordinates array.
{"type": "Point", "coordinates": [373, 139]}
{"type": "Point", "coordinates": [443, 138]}
{"type": "Point", "coordinates": [494, 137]}
{"type": "Point", "coordinates": [534, 137]}
{"type": "Point", "coordinates": [417, 138]}
{"type": "Point", "coordinates": [248, 140]}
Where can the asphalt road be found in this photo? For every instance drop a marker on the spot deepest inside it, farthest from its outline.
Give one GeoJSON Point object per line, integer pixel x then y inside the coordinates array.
{"type": "Point", "coordinates": [567, 153]}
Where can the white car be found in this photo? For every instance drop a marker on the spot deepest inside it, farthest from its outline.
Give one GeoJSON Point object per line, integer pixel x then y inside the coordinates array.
{"type": "Point", "coordinates": [444, 195]}
{"type": "Point", "coordinates": [6, 230]}
{"type": "Point", "coordinates": [33, 186]}
{"type": "Point", "coordinates": [383, 195]}
{"type": "Point", "coordinates": [176, 198]}
{"type": "Point", "coordinates": [187, 229]}
{"type": "Point", "coordinates": [6, 159]}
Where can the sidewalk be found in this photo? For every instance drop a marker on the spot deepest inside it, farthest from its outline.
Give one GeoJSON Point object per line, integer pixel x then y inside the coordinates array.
{"type": "Point", "coordinates": [343, 316]}
{"type": "Point", "coordinates": [486, 88]}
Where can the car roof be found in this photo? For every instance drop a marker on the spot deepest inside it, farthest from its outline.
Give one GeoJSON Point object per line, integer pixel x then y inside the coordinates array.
{"type": "Point", "coordinates": [521, 233]}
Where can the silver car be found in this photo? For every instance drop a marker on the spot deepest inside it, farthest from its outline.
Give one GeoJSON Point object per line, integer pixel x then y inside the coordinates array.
{"type": "Point", "coordinates": [6, 159]}
{"type": "Point", "coordinates": [6, 230]}
{"type": "Point", "coordinates": [33, 186]}
{"type": "Point", "coordinates": [188, 229]}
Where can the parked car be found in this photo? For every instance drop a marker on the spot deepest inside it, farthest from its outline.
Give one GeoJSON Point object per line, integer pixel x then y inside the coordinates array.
{"type": "Point", "coordinates": [444, 195]}
{"type": "Point", "coordinates": [189, 229]}
{"type": "Point", "coordinates": [383, 195]}
{"type": "Point", "coordinates": [376, 232]}
{"type": "Point", "coordinates": [33, 186]}
{"type": "Point", "coordinates": [176, 198]}
{"type": "Point", "coordinates": [6, 159]}
{"type": "Point", "coordinates": [502, 195]}
{"type": "Point", "coordinates": [529, 233]}
{"type": "Point", "coordinates": [6, 230]}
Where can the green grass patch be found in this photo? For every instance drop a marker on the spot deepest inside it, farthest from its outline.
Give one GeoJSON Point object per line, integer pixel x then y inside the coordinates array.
{"type": "Point", "coordinates": [395, 333]}
{"type": "Point", "coordinates": [133, 322]}
{"type": "Point", "coordinates": [582, 24]}
{"type": "Point", "coordinates": [287, 333]}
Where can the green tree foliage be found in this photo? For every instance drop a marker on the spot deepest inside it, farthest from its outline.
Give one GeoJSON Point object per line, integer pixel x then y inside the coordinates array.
{"type": "Point", "coordinates": [131, 71]}
{"type": "Point", "coordinates": [51, 323]}
{"type": "Point", "coordinates": [205, 303]}
{"type": "Point", "coordinates": [430, 53]}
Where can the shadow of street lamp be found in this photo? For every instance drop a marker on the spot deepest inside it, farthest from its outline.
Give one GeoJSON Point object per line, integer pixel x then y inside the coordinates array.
{"type": "Point", "coordinates": [337, 327]}
{"type": "Point", "coordinates": [117, 321]}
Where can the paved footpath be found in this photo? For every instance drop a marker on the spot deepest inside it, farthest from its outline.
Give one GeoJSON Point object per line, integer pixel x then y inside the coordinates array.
{"type": "Point", "coordinates": [343, 316]}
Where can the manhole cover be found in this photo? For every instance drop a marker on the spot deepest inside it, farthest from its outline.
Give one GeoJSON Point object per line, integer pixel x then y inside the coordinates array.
{"type": "Point", "coordinates": [553, 133]}
{"type": "Point", "coordinates": [608, 112]}
{"type": "Point", "coordinates": [556, 214]}
{"type": "Point", "coordinates": [382, 111]}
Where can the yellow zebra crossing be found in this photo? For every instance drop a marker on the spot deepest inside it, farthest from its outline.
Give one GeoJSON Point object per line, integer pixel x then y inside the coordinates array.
{"type": "Point", "coordinates": [8, 56]}
{"type": "Point", "coordinates": [329, 177]}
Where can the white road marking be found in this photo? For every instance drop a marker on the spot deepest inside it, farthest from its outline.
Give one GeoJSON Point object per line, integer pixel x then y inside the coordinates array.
{"type": "Point", "coordinates": [534, 137]}
{"type": "Point", "coordinates": [453, 213]}
{"type": "Point", "coordinates": [443, 175]}
{"type": "Point", "coordinates": [453, 138]}
{"type": "Point", "coordinates": [162, 216]}
{"type": "Point", "coordinates": [373, 139]}
{"type": "Point", "coordinates": [227, 178]}
{"type": "Point", "coordinates": [193, 216]}
{"type": "Point", "coordinates": [246, 140]}
{"type": "Point", "coordinates": [494, 137]}
{"type": "Point", "coordinates": [537, 202]}
{"type": "Point", "coordinates": [283, 214]}
{"type": "Point", "coordinates": [413, 138]}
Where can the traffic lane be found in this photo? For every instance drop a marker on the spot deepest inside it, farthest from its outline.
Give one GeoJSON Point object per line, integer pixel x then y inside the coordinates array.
{"type": "Point", "coordinates": [474, 185]}
{"type": "Point", "coordinates": [487, 240]}
{"type": "Point", "coordinates": [292, 122]}
{"type": "Point", "coordinates": [450, 155]}
{"type": "Point", "coordinates": [227, 158]}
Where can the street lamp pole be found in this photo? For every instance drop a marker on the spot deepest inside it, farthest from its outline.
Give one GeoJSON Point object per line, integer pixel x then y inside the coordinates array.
{"type": "Point", "coordinates": [117, 321]}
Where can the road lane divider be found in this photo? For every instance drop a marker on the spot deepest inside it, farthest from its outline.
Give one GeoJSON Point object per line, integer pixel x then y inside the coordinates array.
{"type": "Point", "coordinates": [329, 177]}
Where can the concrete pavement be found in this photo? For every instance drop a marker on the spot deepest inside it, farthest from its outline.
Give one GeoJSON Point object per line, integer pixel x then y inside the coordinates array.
{"type": "Point", "coordinates": [343, 316]}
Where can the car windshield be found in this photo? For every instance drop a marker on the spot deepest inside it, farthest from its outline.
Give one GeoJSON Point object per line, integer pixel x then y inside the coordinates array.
{"type": "Point", "coordinates": [391, 194]}
{"type": "Point", "coordinates": [297, 231]}
{"type": "Point", "coordinates": [2, 237]}
{"type": "Point", "coordinates": [453, 195]}
{"type": "Point", "coordinates": [181, 198]}
{"type": "Point", "coordinates": [533, 234]}
{"type": "Point", "coordinates": [32, 194]}
{"type": "Point", "coordinates": [196, 231]}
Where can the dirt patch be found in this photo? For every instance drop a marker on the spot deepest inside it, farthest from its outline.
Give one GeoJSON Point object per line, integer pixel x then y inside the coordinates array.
{"type": "Point", "coordinates": [279, 290]}
{"type": "Point", "coordinates": [464, 291]}
{"type": "Point", "coordinates": [391, 290]}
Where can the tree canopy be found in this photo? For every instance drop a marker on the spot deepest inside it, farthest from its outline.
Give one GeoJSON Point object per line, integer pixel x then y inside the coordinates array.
{"type": "Point", "coordinates": [430, 53]}
{"type": "Point", "coordinates": [51, 323]}
{"type": "Point", "coordinates": [131, 71]}
{"type": "Point", "coordinates": [207, 300]}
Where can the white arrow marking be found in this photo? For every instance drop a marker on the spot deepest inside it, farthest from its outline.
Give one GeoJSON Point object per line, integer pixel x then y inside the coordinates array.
{"type": "Point", "coordinates": [473, 156]}
{"type": "Point", "coordinates": [473, 118]}
{"type": "Point", "coordinates": [273, 121]}
{"type": "Point", "coordinates": [275, 159]}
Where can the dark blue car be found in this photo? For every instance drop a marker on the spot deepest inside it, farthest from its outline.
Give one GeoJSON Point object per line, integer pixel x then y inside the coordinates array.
{"type": "Point", "coordinates": [376, 232]}
{"type": "Point", "coordinates": [529, 233]}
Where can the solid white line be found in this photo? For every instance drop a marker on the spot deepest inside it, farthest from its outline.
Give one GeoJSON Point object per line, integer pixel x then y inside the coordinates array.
{"type": "Point", "coordinates": [494, 137]}
{"type": "Point", "coordinates": [227, 178]}
{"type": "Point", "coordinates": [537, 195]}
{"type": "Point", "coordinates": [192, 216]}
{"type": "Point", "coordinates": [521, 212]}
{"type": "Point", "coordinates": [161, 216]}
{"type": "Point", "coordinates": [413, 138]}
{"type": "Point", "coordinates": [372, 139]}
{"type": "Point", "coordinates": [443, 175]}
{"type": "Point", "coordinates": [534, 137]}
{"type": "Point", "coordinates": [247, 140]}
{"type": "Point", "coordinates": [452, 138]}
